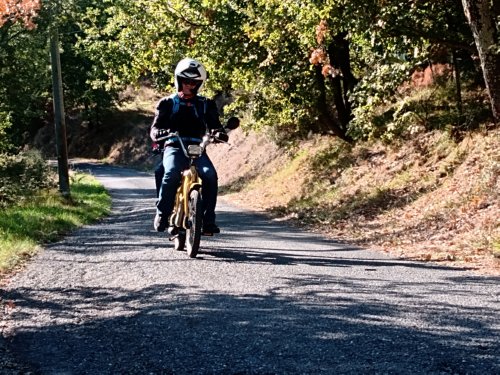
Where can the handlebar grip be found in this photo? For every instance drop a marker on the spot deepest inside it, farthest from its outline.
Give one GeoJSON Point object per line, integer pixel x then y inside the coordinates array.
{"type": "Point", "coordinates": [163, 135]}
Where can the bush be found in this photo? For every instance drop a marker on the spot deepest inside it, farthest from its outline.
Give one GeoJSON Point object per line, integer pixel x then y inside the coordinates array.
{"type": "Point", "coordinates": [22, 175]}
{"type": "Point", "coordinates": [5, 124]}
{"type": "Point", "coordinates": [373, 100]}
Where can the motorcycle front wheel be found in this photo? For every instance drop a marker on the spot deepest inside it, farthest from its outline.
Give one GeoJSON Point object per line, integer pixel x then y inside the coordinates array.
{"type": "Point", "coordinates": [193, 234]}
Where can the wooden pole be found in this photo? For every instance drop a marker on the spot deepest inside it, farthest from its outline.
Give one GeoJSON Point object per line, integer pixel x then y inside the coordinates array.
{"type": "Point", "coordinates": [59, 117]}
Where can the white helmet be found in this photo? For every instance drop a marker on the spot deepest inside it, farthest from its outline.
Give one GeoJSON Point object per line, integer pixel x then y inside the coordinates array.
{"type": "Point", "coordinates": [190, 69]}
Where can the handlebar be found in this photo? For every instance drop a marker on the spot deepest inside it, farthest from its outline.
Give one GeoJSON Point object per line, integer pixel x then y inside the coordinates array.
{"type": "Point", "coordinates": [192, 151]}
{"type": "Point", "coordinates": [208, 138]}
{"type": "Point", "coordinates": [175, 136]}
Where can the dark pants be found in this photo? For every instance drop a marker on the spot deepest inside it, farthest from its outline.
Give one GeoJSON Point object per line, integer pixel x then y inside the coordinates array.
{"type": "Point", "coordinates": [159, 172]}
{"type": "Point", "coordinates": [174, 162]}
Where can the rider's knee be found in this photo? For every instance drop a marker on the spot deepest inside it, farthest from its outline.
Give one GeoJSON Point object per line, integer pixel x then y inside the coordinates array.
{"type": "Point", "coordinates": [210, 176]}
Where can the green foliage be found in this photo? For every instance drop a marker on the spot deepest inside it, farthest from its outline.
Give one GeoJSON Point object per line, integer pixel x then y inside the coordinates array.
{"type": "Point", "coordinates": [5, 124]}
{"type": "Point", "coordinates": [406, 111]}
{"type": "Point", "coordinates": [372, 99]}
{"type": "Point", "coordinates": [88, 88]}
{"type": "Point", "coordinates": [22, 175]}
{"type": "Point", "coordinates": [258, 51]}
{"type": "Point", "coordinates": [24, 81]}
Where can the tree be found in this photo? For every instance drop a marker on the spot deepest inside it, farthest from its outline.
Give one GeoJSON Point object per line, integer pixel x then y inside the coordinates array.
{"type": "Point", "coordinates": [297, 66]}
{"type": "Point", "coordinates": [380, 43]}
{"type": "Point", "coordinates": [484, 20]}
{"type": "Point", "coordinates": [23, 58]}
{"type": "Point", "coordinates": [261, 50]}
{"type": "Point", "coordinates": [332, 61]}
{"type": "Point", "coordinates": [19, 10]}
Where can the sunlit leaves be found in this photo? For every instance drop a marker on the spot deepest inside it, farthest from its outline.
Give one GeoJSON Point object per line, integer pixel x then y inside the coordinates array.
{"type": "Point", "coordinates": [264, 52]}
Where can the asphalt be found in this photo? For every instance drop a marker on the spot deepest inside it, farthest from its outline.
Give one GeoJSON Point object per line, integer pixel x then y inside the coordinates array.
{"type": "Point", "coordinates": [261, 298]}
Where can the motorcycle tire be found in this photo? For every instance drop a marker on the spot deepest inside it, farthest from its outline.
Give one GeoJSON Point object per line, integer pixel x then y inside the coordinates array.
{"type": "Point", "coordinates": [193, 234]}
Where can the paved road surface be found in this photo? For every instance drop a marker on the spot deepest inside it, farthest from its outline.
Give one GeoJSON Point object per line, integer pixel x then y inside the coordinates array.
{"type": "Point", "coordinates": [261, 298]}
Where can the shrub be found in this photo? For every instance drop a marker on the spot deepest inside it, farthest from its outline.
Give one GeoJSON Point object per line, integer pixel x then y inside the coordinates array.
{"type": "Point", "coordinates": [5, 124]}
{"type": "Point", "coordinates": [22, 175]}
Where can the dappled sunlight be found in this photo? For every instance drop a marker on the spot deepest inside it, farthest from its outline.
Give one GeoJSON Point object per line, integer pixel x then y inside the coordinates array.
{"type": "Point", "coordinates": [340, 319]}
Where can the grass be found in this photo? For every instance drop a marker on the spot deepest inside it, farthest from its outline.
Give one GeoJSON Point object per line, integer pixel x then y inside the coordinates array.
{"type": "Point", "coordinates": [46, 217]}
{"type": "Point", "coordinates": [496, 249]}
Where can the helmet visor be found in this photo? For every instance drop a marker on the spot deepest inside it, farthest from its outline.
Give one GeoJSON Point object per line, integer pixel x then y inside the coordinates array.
{"type": "Point", "coordinates": [189, 81]}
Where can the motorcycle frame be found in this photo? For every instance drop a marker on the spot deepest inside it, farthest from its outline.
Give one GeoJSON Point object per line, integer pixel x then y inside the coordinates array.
{"type": "Point", "coordinates": [190, 181]}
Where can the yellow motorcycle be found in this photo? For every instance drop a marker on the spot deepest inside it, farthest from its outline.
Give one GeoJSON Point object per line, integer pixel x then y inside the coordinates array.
{"type": "Point", "coordinates": [186, 220]}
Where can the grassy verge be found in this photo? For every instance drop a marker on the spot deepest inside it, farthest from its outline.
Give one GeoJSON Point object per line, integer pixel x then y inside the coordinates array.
{"type": "Point", "coordinates": [46, 217]}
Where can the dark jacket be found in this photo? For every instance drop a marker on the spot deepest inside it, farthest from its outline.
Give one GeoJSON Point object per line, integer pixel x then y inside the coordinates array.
{"type": "Point", "coordinates": [194, 117]}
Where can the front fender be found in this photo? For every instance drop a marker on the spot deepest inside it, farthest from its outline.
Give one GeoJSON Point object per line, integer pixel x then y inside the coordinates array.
{"type": "Point", "coordinates": [193, 183]}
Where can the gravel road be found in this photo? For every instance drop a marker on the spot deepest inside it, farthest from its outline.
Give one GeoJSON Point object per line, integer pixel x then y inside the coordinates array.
{"type": "Point", "coordinates": [260, 298]}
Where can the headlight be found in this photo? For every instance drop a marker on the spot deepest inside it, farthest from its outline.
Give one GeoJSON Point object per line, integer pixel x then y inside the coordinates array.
{"type": "Point", "coordinates": [194, 150]}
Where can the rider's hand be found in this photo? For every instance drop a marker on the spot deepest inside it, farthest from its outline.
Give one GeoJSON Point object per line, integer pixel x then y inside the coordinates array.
{"type": "Point", "coordinates": [157, 133]}
{"type": "Point", "coordinates": [221, 137]}
{"type": "Point", "coordinates": [153, 133]}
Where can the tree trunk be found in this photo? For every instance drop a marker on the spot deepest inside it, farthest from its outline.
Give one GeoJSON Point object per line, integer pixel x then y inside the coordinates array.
{"type": "Point", "coordinates": [458, 87]}
{"type": "Point", "coordinates": [326, 119]}
{"type": "Point", "coordinates": [339, 54]}
{"type": "Point", "coordinates": [482, 15]}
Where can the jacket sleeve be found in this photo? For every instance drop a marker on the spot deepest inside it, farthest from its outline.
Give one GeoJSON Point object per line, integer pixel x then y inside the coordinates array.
{"type": "Point", "coordinates": [212, 118]}
{"type": "Point", "coordinates": [162, 117]}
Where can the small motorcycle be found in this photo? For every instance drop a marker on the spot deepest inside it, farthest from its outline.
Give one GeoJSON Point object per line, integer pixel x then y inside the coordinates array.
{"type": "Point", "coordinates": [186, 220]}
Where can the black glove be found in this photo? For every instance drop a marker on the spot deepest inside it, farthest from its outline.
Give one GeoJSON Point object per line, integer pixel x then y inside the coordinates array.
{"type": "Point", "coordinates": [221, 137]}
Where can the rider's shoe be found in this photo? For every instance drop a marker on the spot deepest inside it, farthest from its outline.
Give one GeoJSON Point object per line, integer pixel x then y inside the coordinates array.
{"type": "Point", "coordinates": [173, 231]}
{"type": "Point", "coordinates": [160, 223]}
{"type": "Point", "coordinates": [210, 229]}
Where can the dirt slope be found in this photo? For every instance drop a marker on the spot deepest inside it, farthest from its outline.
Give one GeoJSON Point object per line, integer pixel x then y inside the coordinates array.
{"type": "Point", "coordinates": [429, 199]}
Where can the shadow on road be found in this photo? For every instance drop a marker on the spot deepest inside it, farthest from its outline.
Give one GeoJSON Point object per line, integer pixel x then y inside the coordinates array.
{"type": "Point", "coordinates": [161, 329]}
